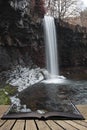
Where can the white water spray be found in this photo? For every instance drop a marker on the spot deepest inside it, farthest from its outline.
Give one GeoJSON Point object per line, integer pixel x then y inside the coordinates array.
{"type": "Point", "coordinates": [51, 46]}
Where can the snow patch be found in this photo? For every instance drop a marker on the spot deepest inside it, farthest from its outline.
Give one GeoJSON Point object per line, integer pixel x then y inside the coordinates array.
{"type": "Point", "coordinates": [24, 77]}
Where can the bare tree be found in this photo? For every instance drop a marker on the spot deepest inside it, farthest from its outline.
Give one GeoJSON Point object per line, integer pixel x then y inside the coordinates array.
{"type": "Point", "coordinates": [83, 17]}
{"type": "Point", "coordinates": [62, 8]}
{"type": "Point", "coordinates": [37, 7]}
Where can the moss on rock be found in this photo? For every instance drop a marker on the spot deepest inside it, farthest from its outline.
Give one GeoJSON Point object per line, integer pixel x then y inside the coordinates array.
{"type": "Point", "coordinates": [11, 90]}
{"type": "Point", "coordinates": [4, 98]}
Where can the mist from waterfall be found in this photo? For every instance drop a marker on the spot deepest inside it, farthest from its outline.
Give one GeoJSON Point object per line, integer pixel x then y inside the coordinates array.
{"type": "Point", "coordinates": [51, 46]}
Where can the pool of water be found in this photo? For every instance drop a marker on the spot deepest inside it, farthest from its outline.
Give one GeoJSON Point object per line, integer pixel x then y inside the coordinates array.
{"type": "Point", "coordinates": [45, 98]}
{"type": "Point", "coordinates": [72, 83]}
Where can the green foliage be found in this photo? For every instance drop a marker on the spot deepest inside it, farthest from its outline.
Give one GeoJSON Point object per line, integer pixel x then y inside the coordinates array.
{"type": "Point", "coordinates": [5, 94]}
{"type": "Point", "coordinates": [10, 90]}
{"type": "Point", "coordinates": [4, 99]}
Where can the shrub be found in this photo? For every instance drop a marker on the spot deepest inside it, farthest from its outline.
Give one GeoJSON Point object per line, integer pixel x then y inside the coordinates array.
{"type": "Point", "coordinates": [11, 90]}
{"type": "Point", "coordinates": [4, 99]}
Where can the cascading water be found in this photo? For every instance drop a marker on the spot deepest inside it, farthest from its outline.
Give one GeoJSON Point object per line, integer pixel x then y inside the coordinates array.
{"type": "Point", "coordinates": [51, 51]}
{"type": "Point", "coordinates": [51, 45]}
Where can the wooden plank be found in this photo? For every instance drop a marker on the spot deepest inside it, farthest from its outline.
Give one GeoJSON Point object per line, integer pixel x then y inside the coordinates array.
{"type": "Point", "coordinates": [78, 126]}
{"type": "Point", "coordinates": [65, 125]}
{"type": "Point", "coordinates": [19, 125]}
{"type": "Point", "coordinates": [81, 122]}
{"type": "Point", "coordinates": [8, 125]}
{"type": "Point", "coordinates": [42, 125]}
{"type": "Point", "coordinates": [3, 108]}
{"type": "Point", "coordinates": [83, 110]}
{"type": "Point", "coordinates": [53, 125]}
{"type": "Point", "coordinates": [2, 122]}
{"type": "Point", "coordinates": [30, 125]}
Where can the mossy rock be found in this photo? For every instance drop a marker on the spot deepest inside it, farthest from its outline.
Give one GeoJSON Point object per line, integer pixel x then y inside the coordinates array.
{"type": "Point", "coordinates": [4, 99]}
{"type": "Point", "coordinates": [11, 90]}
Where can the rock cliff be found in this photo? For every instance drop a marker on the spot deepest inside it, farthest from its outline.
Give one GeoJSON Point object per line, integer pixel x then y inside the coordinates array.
{"type": "Point", "coordinates": [22, 38]}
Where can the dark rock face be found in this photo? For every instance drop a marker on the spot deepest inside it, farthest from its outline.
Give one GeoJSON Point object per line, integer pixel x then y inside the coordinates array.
{"type": "Point", "coordinates": [72, 45]}
{"type": "Point", "coordinates": [12, 20]}
{"type": "Point", "coordinates": [17, 27]}
{"type": "Point", "coordinates": [20, 36]}
{"type": "Point", "coordinates": [4, 59]}
{"type": "Point", "coordinates": [12, 56]}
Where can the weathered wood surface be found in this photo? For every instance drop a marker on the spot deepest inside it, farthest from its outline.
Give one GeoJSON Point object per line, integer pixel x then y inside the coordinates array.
{"type": "Point", "coordinates": [44, 125]}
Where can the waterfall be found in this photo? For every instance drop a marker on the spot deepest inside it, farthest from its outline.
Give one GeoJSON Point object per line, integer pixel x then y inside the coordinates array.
{"type": "Point", "coordinates": [51, 46]}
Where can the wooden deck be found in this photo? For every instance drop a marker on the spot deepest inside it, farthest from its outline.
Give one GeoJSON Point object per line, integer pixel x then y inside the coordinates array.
{"type": "Point", "coordinates": [44, 125]}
